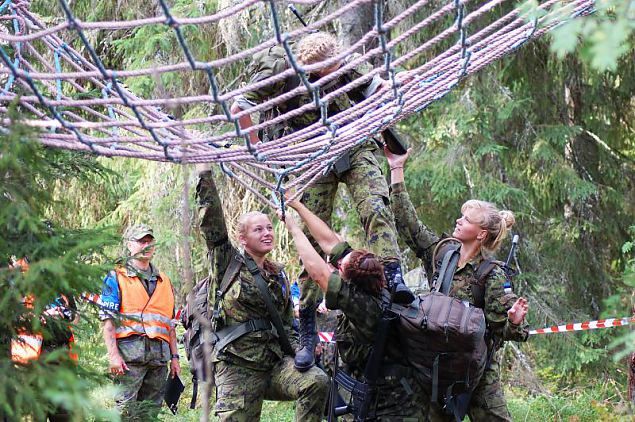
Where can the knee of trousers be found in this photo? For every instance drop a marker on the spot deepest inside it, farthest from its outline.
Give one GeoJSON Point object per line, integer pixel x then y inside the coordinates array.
{"type": "Point", "coordinates": [310, 294]}
{"type": "Point", "coordinates": [379, 225]}
{"type": "Point", "coordinates": [315, 385]}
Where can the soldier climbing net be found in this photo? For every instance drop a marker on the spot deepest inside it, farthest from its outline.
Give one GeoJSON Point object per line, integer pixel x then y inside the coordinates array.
{"type": "Point", "coordinates": [45, 74]}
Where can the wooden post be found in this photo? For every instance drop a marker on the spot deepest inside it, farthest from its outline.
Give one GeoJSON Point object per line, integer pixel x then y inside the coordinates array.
{"type": "Point", "coordinates": [631, 365]}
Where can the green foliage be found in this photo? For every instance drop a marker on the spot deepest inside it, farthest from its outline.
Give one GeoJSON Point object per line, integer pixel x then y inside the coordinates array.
{"type": "Point", "coordinates": [62, 260]}
{"type": "Point", "coordinates": [606, 35]}
{"type": "Point", "coordinates": [625, 344]}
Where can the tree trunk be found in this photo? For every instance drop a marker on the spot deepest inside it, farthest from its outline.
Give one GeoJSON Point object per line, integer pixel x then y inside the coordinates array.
{"type": "Point", "coordinates": [582, 155]}
{"type": "Point", "coordinates": [355, 23]}
{"type": "Point", "coordinates": [631, 365]}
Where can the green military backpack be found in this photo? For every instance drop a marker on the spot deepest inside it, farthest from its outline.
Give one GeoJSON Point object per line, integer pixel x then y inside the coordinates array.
{"type": "Point", "coordinates": [445, 337]}
{"type": "Point", "coordinates": [196, 314]}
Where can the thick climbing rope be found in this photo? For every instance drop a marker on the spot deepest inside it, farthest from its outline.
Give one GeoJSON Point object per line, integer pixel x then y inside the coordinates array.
{"type": "Point", "coordinates": [83, 105]}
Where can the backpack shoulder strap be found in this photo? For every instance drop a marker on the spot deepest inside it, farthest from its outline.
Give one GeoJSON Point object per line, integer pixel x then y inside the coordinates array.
{"type": "Point", "coordinates": [231, 272]}
{"type": "Point", "coordinates": [478, 288]}
{"type": "Point", "coordinates": [445, 259]}
{"type": "Point", "coordinates": [290, 83]}
{"type": "Point", "coordinates": [486, 267]}
{"type": "Point", "coordinates": [440, 250]}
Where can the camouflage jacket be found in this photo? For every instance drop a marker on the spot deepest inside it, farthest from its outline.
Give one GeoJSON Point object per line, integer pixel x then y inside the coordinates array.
{"type": "Point", "coordinates": [273, 61]}
{"type": "Point", "coordinates": [257, 350]}
{"type": "Point", "coordinates": [422, 241]}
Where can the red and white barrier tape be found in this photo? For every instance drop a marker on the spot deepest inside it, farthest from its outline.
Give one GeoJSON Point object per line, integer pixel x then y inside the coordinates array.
{"type": "Point", "coordinates": [327, 337]}
{"type": "Point", "coordinates": [587, 325]}
{"type": "Point", "coordinates": [95, 299]}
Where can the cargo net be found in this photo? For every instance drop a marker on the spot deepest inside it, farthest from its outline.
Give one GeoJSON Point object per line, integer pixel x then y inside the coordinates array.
{"type": "Point", "coordinates": [60, 84]}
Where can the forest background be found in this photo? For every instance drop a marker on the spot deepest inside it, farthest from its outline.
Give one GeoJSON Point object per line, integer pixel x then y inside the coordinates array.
{"type": "Point", "coordinates": [547, 132]}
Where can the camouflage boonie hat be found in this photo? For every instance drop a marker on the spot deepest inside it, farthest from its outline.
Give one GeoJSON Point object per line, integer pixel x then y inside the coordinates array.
{"type": "Point", "coordinates": [137, 231]}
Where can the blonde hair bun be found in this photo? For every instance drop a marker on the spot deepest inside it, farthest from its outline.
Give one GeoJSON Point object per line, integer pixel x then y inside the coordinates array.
{"type": "Point", "coordinates": [508, 218]}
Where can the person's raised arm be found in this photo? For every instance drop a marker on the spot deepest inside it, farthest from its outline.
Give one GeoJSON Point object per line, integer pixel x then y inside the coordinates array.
{"type": "Point", "coordinates": [321, 232]}
{"type": "Point", "coordinates": [245, 122]}
{"type": "Point", "coordinates": [212, 224]}
{"type": "Point", "coordinates": [417, 235]}
{"type": "Point", "coordinates": [313, 263]}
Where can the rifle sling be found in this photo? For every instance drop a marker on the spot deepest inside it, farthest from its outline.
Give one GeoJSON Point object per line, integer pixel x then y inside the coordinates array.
{"type": "Point", "coordinates": [271, 309]}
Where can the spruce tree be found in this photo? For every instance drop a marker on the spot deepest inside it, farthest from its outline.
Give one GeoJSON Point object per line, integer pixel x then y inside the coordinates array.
{"type": "Point", "coordinates": [62, 260]}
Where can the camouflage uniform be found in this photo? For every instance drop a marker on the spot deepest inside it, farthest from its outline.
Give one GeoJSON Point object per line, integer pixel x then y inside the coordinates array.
{"type": "Point", "coordinates": [488, 402]}
{"type": "Point", "coordinates": [142, 386]}
{"type": "Point", "coordinates": [364, 180]}
{"type": "Point", "coordinates": [356, 329]}
{"type": "Point", "coordinates": [327, 322]}
{"type": "Point", "coordinates": [253, 367]}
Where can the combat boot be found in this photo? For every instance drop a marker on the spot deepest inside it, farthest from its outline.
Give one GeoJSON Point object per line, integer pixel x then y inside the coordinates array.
{"type": "Point", "coordinates": [305, 357]}
{"type": "Point", "coordinates": [401, 293]}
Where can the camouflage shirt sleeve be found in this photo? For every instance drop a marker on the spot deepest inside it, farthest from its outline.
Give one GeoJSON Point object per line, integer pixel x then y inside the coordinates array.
{"type": "Point", "coordinates": [359, 307]}
{"type": "Point", "coordinates": [417, 235]}
{"type": "Point", "coordinates": [367, 88]}
{"type": "Point", "coordinates": [264, 65]}
{"type": "Point", "coordinates": [213, 226]}
{"type": "Point", "coordinates": [497, 303]}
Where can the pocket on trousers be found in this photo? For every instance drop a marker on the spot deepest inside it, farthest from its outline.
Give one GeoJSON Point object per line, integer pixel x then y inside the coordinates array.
{"type": "Point", "coordinates": [132, 349]}
{"type": "Point", "coordinates": [230, 398]}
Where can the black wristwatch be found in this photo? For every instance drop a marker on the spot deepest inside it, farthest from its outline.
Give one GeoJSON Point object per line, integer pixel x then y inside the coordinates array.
{"type": "Point", "coordinates": [175, 356]}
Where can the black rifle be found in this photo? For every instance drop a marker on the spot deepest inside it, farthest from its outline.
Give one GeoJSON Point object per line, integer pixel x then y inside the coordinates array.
{"type": "Point", "coordinates": [509, 273]}
{"type": "Point", "coordinates": [392, 140]}
{"type": "Point", "coordinates": [364, 393]}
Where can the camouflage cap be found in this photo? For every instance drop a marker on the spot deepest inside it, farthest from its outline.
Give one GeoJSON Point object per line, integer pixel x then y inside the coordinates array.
{"type": "Point", "coordinates": [137, 231]}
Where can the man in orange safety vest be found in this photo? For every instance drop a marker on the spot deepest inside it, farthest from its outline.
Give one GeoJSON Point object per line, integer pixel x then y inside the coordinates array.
{"type": "Point", "coordinates": [137, 304]}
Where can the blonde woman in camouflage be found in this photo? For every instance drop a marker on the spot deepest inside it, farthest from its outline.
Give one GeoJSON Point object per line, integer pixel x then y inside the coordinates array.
{"type": "Point", "coordinates": [251, 362]}
{"type": "Point", "coordinates": [479, 232]}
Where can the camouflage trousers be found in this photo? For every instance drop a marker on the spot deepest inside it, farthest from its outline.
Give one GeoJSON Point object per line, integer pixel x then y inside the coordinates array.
{"type": "Point", "coordinates": [369, 192]}
{"type": "Point", "coordinates": [141, 388]}
{"type": "Point", "coordinates": [401, 399]}
{"type": "Point", "coordinates": [487, 403]}
{"type": "Point", "coordinates": [241, 391]}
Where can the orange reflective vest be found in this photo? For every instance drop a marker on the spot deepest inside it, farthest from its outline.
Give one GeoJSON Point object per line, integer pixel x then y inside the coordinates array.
{"type": "Point", "coordinates": [142, 314]}
{"type": "Point", "coordinates": [28, 346]}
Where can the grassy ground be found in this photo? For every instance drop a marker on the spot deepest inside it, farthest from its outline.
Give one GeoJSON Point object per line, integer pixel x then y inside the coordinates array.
{"type": "Point", "coordinates": [598, 400]}
{"type": "Point", "coordinates": [571, 406]}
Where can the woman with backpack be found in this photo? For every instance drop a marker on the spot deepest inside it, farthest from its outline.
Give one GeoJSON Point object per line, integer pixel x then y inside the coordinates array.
{"type": "Point", "coordinates": [476, 280]}
{"type": "Point", "coordinates": [353, 282]}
